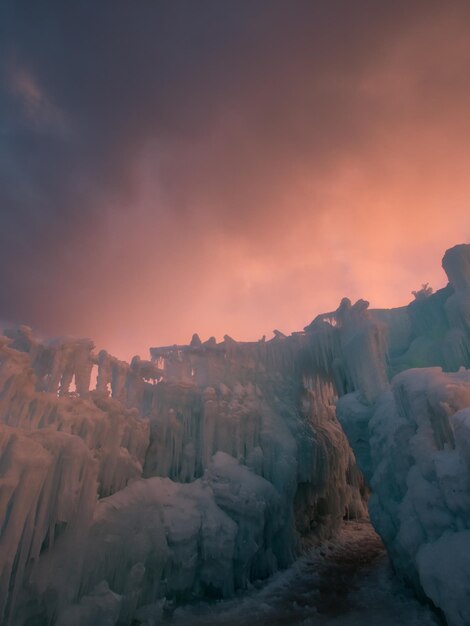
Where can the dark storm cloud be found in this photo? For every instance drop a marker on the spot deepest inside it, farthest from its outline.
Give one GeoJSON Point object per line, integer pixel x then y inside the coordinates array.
{"type": "Point", "coordinates": [123, 74]}
{"type": "Point", "coordinates": [217, 105]}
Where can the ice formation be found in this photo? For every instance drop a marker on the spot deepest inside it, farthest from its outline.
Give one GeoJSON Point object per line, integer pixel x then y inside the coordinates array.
{"type": "Point", "coordinates": [212, 464]}
{"type": "Point", "coordinates": [412, 441]}
{"type": "Point", "coordinates": [190, 474]}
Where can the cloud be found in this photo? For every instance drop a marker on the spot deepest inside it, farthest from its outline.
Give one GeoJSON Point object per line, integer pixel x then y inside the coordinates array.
{"type": "Point", "coordinates": [226, 167]}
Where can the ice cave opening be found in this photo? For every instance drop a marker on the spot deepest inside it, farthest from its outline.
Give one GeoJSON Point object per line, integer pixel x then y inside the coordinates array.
{"type": "Point", "coordinates": [187, 478]}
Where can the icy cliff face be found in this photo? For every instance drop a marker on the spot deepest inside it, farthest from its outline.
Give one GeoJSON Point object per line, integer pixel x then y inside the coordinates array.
{"type": "Point", "coordinates": [412, 441]}
{"type": "Point", "coordinates": [48, 486]}
{"type": "Point", "coordinates": [189, 474]}
{"type": "Point", "coordinates": [420, 436]}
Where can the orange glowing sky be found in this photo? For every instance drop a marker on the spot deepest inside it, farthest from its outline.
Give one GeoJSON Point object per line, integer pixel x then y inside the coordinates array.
{"type": "Point", "coordinates": [227, 167]}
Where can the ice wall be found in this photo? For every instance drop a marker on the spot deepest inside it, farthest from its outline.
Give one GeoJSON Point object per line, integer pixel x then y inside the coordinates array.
{"type": "Point", "coordinates": [116, 435]}
{"type": "Point", "coordinates": [48, 484]}
{"type": "Point", "coordinates": [412, 440]}
{"type": "Point", "coordinates": [193, 473]}
{"type": "Point", "coordinates": [420, 448]}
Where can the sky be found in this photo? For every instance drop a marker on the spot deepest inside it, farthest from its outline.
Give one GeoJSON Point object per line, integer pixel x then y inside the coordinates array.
{"type": "Point", "coordinates": [226, 167]}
